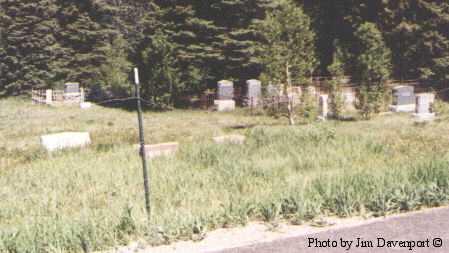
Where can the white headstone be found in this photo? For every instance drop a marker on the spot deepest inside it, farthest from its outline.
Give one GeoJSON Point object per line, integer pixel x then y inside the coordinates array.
{"type": "Point", "coordinates": [424, 103]}
{"type": "Point", "coordinates": [254, 92]}
{"type": "Point", "coordinates": [224, 105]}
{"type": "Point", "coordinates": [225, 90]}
{"type": "Point", "coordinates": [54, 142]}
{"type": "Point", "coordinates": [162, 149]}
{"type": "Point", "coordinates": [234, 139]}
{"type": "Point", "coordinates": [85, 105]}
{"type": "Point", "coordinates": [404, 99]}
{"type": "Point", "coordinates": [48, 96]}
{"type": "Point", "coordinates": [324, 106]}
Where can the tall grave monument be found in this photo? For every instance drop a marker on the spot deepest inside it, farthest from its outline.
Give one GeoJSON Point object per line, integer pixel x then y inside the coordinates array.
{"type": "Point", "coordinates": [404, 99]}
{"type": "Point", "coordinates": [424, 103]}
{"type": "Point", "coordinates": [225, 96]}
{"type": "Point", "coordinates": [253, 92]}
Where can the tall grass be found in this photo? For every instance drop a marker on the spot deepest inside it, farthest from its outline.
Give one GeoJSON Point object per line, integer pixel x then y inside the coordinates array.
{"type": "Point", "coordinates": [85, 200]}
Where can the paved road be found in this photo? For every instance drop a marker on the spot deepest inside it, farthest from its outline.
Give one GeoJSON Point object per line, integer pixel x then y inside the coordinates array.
{"type": "Point", "coordinates": [428, 229]}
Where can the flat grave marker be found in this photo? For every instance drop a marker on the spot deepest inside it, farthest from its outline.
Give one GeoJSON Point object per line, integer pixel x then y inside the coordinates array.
{"type": "Point", "coordinates": [233, 139]}
{"type": "Point", "coordinates": [65, 140]}
{"type": "Point", "coordinates": [162, 149]}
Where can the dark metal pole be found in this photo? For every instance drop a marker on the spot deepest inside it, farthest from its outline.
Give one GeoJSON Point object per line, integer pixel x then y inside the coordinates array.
{"type": "Point", "coordinates": [146, 182]}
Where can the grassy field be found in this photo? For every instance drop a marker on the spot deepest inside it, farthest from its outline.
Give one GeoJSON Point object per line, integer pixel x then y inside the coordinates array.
{"type": "Point", "coordinates": [91, 199]}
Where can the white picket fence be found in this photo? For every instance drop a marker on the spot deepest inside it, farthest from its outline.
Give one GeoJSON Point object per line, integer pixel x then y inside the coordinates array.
{"type": "Point", "coordinates": [52, 97]}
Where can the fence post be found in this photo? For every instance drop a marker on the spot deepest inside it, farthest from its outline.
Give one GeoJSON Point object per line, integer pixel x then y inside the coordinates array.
{"type": "Point", "coordinates": [278, 105]}
{"type": "Point", "coordinates": [146, 181]}
{"type": "Point", "coordinates": [33, 97]}
{"type": "Point", "coordinates": [252, 104]}
{"type": "Point", "coordinates": [82, 98]}
{"type": "Point", "coordinates": [48, 96]}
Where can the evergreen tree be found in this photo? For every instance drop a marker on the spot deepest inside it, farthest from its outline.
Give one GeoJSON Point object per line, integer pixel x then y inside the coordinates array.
{"type": "Point", "coordinates": [135, 21]}
{"type": "Point", "coordinates": [3, 65]}
{"type": "Point", "coordinates": [159, 60]}
{"type": "Point", "coordinates": [287, 40]}
{"type": "Point", "coordinates": [190, 40]}
{"type": "Point", "coordinates": [374, 66]}
{"type": "Point", "coordinates": [27, 43]}
{"type": "Point", "coordinates": [416, 31]}
{"type": "Point", "coordinates": [237, 34]}
{"type": "Point", "coordinates": [44, 43]}
{"type": "Point", "coordinates": [287, 51]}
{"type": "Point", "coordinates": [113, 75]}
{"type": "Point", "coordinates": [337, 72]}
{"type": "Point", "coordinates": [82, 40]}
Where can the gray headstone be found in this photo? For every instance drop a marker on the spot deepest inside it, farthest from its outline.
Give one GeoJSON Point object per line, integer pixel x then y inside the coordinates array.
{"type": "Point", "coordinates": [404, 95]}
{"type": "Point", "coordinates": [254, 88]}
{"type": "Point", "coordinates": [324, 106]}
{"type": "Point", "coordinates": [253, 92]}
{"type": "Point", "coordinates": [71, 88]}
{"type": "Point", "coordinates": [424, 103]}
{"type": "Point", "coordinates": [273, 90]}
{"type": "Point", "coordinates": [225, 90]}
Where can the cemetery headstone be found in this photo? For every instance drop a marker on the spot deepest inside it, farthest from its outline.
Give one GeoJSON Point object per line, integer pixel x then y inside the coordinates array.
{"type": "Point", "coordinates": [225, 90]}
{"type": "Point", "coordinates": [324, 106]}
{"type": "Point", "coordinates": [403, 99]}
{"type": "Point", "coordinates": [350, 98]}
{"type": "Point", "coordinates": [72, 92]}
{"type": "Point", "coordinates": [273, 90]}
{"type": "Point", "coordinates": [162, 149]}
{"type": "Point", "coordinates": [224, 105]}
{"type": "Point", "coordinates": [48, 97]}
{"type": "Point", "coordinates": [253, 92]}
{"type": "Point", "coordinates": [424, 103]}
{"type": "Point", "coordinates": [71, 88]}
{"type": "Point", "coordinates": [54, 142]}
{"type": "Point", "coordinates": [233, 139]}
{"type": "Point", "coordinates": [225, 96]}
{"type": "Point", "coordinates": [85, 105]}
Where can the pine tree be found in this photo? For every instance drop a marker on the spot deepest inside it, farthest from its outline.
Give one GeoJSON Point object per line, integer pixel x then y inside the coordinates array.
{"type": "Point", "coordinates": [287, 40]}
{"type": "Point", "coordinates": [237, 22]}
{"type": "Point", "coordinates": [82, 40]}
{"type": "Point", "coordinates": [135, 21]}
{"type": "Point", "coordinates": [337, 72]}
{"type": "Point", "coordinates": [374, 65]}
{"type": "Point", "coordinates": [416, 32]}
{"type": "Point", "coordinates": [287, 51]}
{"type": "Point", "coordinates": [190, 38]}
{"type": "Point", "coordinates": [3, 66]}
{"type": "Point", "coordinates": [113, 75]}
{"type": "Point", "coordinates": [27, 45]}
{"type": "Point", "coordinates": [160, 63]}
{"type": "Point", "coordinates": [433, 43]}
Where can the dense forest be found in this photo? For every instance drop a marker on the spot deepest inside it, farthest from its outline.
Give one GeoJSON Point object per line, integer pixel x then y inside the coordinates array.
{"type": "Point", "coordinates": [184, 46]}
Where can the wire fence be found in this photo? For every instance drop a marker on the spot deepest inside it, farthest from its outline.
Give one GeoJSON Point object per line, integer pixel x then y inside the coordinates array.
{"type": "Point", "coordinates": [207, 99]}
